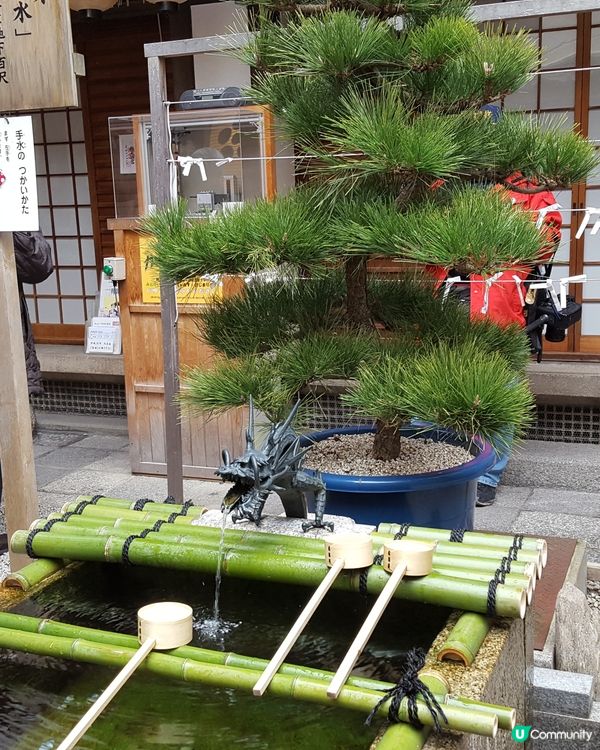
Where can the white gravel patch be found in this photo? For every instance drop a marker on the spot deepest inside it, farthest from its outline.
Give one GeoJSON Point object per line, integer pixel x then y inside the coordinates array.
{"type": "Point", "coordinates": [351, 454]}
{"type": "Point", "coordinates": [4, 566]}
{"type": "Point", "coordinates": [593, 595]}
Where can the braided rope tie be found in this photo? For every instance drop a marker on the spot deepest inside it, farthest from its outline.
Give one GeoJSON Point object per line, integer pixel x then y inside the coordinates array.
{"type": "Point", "coordinates": [362, 581]}
{"type": "Point", "coordinates": [457, 535]}
{"type": "Point", "coordinates": [409, 686]}
{"type": "Point", "coordinates": [65, 517]}
{"type": "Point", "coordinates": [403, 531]}
{"type": "Point", "coordinates": [157, 526]}
{"type": "Point", "coordinates": [141, 503]}
{"type": "Point", "coordinates": [491, 596]}
{"type": "Point", "coordinates": [517, 544]}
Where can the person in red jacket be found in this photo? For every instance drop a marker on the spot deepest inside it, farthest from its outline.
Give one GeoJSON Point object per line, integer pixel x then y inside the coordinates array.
{"type": "Point", "coordinates": [502, 297]}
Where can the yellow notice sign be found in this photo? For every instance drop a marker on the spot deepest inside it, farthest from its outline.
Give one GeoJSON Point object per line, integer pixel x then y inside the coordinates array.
{"type": "Point", "coordinates": [201, 291]}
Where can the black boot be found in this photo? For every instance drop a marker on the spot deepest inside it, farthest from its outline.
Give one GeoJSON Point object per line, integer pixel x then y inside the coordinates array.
{"type": "Point", "coordinates": [486, 495]}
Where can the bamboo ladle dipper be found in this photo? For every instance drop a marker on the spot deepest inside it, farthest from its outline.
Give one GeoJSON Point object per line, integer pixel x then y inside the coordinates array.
{"type": "Point", "coordinates": [342, 552]}
{"type": "Point", "coordinates": [400, 557]}
{"type": "Point", "coordinates": [161, 626]}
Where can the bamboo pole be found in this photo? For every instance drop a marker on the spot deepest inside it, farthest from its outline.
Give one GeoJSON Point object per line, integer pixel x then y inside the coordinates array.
{"type": "Point", "coordinates": [119, 518]}
{"type": "Point", "coordinates": [278, 543]}
{"type": "Point", "coordinates": [458, 593]}
{"type": "Point", "coordinates": [406, 736]}
{"type": "Point", "coordinates": [499, 541]}
{"type": "Point", "coordinates": [470, 550]}
{"type": "Point", "coordinates": [507, 717]}
{"type": "Point", "coordinates": [32, 574]}
{"type": "Point", "coordinates": [465, 639]}
{"type": "Point", "coordinates": [187, 535]}
{"type": "Point", "coordinates": [152, 514]}
{"type": "Point", "coordinates": [29, 624]}
{"type": "Point", "coordinates": [313, 691]}
{"type": "Point", "coordinates": [114, 502]}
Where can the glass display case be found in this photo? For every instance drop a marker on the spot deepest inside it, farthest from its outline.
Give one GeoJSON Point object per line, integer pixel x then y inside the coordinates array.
{"type": "Point", "coordinates": [220, 158]}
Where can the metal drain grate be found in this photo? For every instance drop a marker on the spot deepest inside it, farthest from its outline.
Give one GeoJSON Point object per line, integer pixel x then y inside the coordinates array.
{"type": "Point", "coordinates": [79, 397]}
{"type": "Point", "coordinates": [566, 424]}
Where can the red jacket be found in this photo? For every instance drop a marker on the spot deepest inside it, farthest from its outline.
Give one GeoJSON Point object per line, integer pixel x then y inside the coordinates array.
{"type": "Point", "coordinates": [501, 298]}
{"type": "Point", "coordinates": [544, 211]}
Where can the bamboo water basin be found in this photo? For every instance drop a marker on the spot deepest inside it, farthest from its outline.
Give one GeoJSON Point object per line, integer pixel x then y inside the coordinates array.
{"type": "Point", "coordinates": [41, 698]}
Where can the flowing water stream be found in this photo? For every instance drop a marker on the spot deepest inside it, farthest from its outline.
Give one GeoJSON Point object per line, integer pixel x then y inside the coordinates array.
{"type": "Point", "coordinates": [214, 628]}
{"type": "Point", "coordinates": [41, 698]}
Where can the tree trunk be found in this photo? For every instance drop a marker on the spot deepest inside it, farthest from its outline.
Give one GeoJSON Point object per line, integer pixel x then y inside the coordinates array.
{"type": "Point", "coordinates": [357, 305]}
{"type": "Point", "coordinates": [387, 443]}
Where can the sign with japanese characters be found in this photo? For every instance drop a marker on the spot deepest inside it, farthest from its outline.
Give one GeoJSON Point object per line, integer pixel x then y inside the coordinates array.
{"type": "Point", "coordinates": [36, 55]}
{"type": "Point", "coordinates": [200, 291]}
{"type": "Point", "coordinates": [18, 186]}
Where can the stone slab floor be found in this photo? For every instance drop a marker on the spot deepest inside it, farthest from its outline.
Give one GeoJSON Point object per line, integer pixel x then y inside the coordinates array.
{"type": "Point", "coordinates": [72, 462]}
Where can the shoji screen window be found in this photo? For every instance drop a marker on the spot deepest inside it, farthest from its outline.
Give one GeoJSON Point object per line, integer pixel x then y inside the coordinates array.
{"type": "Point", "coordinates": [60, 305]}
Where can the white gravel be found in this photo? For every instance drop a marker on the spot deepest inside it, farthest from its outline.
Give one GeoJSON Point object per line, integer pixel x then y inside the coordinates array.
{"type": "Point", "coordinates": [351, 454]}
{"type": "Point", "coordinates": [593, 595]}
{"type": "Point", "coordinates": [4, 566]}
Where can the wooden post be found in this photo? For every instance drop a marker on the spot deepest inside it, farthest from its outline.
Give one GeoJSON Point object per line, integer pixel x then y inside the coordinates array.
{"type": "Point", "coordinates": [19, 489]}
{"type": "Point", "coordinates": [157, 82]}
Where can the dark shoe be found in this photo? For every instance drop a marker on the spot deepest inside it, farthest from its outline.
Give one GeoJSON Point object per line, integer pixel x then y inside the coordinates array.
{"type": "Point", "coordinates": [486, 495]}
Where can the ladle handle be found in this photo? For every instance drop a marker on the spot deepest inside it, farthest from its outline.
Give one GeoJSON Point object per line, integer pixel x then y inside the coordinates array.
{"type": "Point", "coordinates": [288, 642]}
{"type": "Point", "coordinates": [109, 693]}
{"type": "Point", "coordinates": [363, 635]}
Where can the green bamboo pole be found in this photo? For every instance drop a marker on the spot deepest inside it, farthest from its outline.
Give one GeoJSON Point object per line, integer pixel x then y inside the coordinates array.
{"type": "Point", "coordinates": [485, 539]}
{"type": "Point", "coordinates": [507, 717]}
{"type": "Point", "coordinates": [469, 550]}
{"type": "Point", "coordinates": [217, 675]}
{"type": "Point", "coordinates": [121, 516]}
{"type": "Point", "coordinates": [458, 593]}
{"type": "Point", "coordinates": [53, 628]}
{"type": "Point", "coordinates": [72, 527]}
{"type": "Point", "coordinates": [114, 502]}
{"type": "Point", "coordinates": [32, 574]}
{"type": "Point", "coordinates": [282, 543]}
{"type": "Point", "coordinates": [139, 515]}
{"type": "Point", "coordinates": [465, 639]}
{"type": "Point", "coordinates": [405, 736]}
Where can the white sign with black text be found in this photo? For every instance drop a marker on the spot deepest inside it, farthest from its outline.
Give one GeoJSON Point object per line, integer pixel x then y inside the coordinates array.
{"type": "Point", "coordinates": [18, 186]}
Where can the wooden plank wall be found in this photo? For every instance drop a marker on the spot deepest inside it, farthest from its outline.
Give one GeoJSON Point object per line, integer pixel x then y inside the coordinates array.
{"type": "Point", "coordinates": [203, 439]}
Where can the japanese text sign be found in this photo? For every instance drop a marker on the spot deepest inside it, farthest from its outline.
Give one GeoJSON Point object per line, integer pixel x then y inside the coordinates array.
{"type": "Point", "coordinates": [36, 55]}
{"type": "Point", "coordinates": [18, 186]}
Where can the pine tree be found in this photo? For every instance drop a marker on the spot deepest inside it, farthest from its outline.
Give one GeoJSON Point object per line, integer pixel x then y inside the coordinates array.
{"type": "Point", "coordinates": [383, 102]}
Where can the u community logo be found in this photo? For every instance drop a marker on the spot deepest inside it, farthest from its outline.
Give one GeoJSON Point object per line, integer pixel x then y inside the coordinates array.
{"type": "Point", "coordinates": [521, 733]}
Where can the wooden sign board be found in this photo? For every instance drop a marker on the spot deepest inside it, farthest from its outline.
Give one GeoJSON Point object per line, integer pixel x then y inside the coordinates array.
{"type": "Point", "coordinates": [36, 56]}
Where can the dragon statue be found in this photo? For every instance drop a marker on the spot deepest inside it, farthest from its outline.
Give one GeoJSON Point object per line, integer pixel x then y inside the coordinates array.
{"type": "Point", "coordinates": [274, 467]}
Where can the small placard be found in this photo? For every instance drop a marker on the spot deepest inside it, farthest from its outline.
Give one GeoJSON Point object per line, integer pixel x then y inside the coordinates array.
{"type": "Point", "coordinates": [18, 186]}
{"type": "Point", "coordinates": [104, 336]}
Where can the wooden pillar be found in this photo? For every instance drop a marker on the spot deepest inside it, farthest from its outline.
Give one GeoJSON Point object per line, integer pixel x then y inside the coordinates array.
{"type": "Point", "coordinates": [19, 489]}
{"type": "Point", "coordinates": [157, 81]}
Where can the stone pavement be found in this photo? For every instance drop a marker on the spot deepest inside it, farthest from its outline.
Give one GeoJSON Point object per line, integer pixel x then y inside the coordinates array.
{"type": "Point", "coordinates": [72, 462]}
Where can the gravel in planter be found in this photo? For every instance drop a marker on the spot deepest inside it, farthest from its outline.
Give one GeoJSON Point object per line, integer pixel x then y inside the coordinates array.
{"type": "Point", "coordinates": [352, 454]}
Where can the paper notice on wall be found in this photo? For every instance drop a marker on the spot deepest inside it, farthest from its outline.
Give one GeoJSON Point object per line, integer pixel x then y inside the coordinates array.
{"type": "Point", "coordinates": [18, 185]}
{"type": "Point", "coordinates": [104, 336]}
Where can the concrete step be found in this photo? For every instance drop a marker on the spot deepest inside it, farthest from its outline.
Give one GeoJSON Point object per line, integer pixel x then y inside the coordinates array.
{"type": "Point", "coordinates": [572, 466]}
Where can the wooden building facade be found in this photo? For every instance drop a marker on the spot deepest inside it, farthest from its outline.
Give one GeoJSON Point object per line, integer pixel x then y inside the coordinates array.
{"type": "Point", "coordinates": [74, 163]}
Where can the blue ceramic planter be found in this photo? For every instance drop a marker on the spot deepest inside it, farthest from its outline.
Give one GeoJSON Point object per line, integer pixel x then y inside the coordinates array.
{"type": "Point", "coordinates": [441, 499]}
